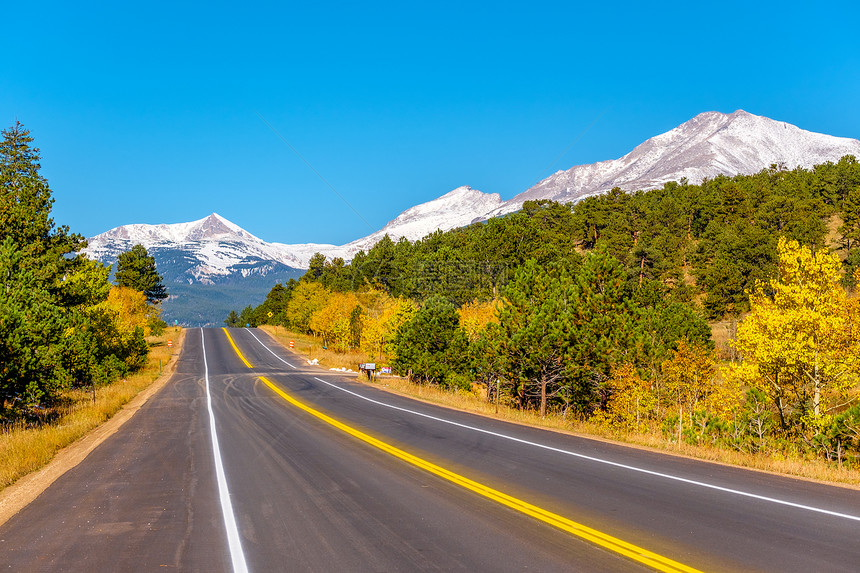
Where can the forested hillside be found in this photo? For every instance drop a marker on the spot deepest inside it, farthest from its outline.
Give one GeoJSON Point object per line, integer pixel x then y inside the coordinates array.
{"type": "Point", "coordinates": [598, 310]}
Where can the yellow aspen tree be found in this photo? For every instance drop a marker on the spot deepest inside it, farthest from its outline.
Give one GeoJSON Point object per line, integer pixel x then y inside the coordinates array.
{"type": "Point", "coordinates": [631, 403]}
{"type": "Point", "coordinates": [476, 315]}
{"type": "Point", "coordinates": [690, 383]}
{"type": "Point", "coordinates": [332, 320]}
{"type": "Point", "coordinates": [131, 308]}
{"type": "Point", "coordinates": [800, 341]}
{"type": "Point", "coordinates": [307, 298]}
{"type": "Point", "coordinates": [380, 324]}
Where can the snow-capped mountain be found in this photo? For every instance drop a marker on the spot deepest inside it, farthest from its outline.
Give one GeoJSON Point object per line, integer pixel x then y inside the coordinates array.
{"type": "Point", "coordinates": [205, 251]}
{"type": "Point", "coordinates": [708, 145]}
{"type": "Point", "coordinates": [455, 209]}
{"type": "Point", "coordinates": [200, 257]}
{"type": "Point", "coordinates": [211, 249]}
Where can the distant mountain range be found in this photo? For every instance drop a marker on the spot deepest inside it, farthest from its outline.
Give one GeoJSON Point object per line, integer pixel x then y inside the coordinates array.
{"type": "Point", "coordinates": [217, 254]}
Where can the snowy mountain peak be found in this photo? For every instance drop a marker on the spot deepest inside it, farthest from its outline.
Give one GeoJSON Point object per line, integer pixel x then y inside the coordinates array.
{"type": "Point", "coordinates": [710, 144]}
{"type": "Point", "coordinates": [462, 199]}
{"type": "Point", "coordinates": [707, 145]}
{"type": "Point", "coordinates": [454, 209]}
{"type": "Point", "coordinates": [216, 227]}
{"type": "Point", "coordinates": [213, 227]}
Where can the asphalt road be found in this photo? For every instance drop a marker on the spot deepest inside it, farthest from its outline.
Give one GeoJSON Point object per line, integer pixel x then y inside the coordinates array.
{"type": "Point", "coordinates": [306, 496]}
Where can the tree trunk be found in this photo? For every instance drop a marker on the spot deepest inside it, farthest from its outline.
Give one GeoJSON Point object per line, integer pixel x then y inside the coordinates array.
{"type": "Point", "coordinates": [816, 401]}
{"type": "Point", "coordinates": [543, 383]}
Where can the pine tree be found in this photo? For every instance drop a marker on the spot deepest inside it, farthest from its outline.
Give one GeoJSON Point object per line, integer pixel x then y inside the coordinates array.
{"type": "Point", "coordinates": [233, 320]}
{"type": "Point", "coordinates": [136, 269]}
{"type": "Point", "coordinates": [25, 207]}
{"type": "Point", "coordinates": [432, 345]}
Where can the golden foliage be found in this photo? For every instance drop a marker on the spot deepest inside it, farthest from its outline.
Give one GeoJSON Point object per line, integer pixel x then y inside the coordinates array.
{"type": "Point", "coordinates": [131, 308]}
{"type": "Point", "coordinates": [688, 384]}
{"type": "Point", "coordinates": [801, 343]}
{"type": "Point", "coordinates": [307, 298]}
{"type": "Point", "coordinates": [332, 321]}
{"type": "Point", "coordinates": [381, 322]}
{"type": "Point", "coordinates": [475, 316]}
{"type": "Point", "coordinates": [632, 401]}
{"type": "Point", "coordinates": [691, 383]}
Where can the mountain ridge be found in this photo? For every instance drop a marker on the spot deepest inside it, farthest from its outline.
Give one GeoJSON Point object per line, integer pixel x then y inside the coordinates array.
{"type": "Point", "coordinates": [214, 251]}
{"type": "Point", "coordinates": [710, 144]}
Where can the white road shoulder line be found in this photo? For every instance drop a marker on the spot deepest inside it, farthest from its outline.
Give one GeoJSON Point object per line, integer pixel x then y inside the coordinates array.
{"type": "Point", "coordinates": [270, 350]}
{"type": "Point", "coordinates": [591, 458]}
{"type": "Point", "coordinates": [233, 541]}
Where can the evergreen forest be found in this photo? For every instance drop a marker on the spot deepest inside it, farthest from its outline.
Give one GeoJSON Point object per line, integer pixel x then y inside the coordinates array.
{"type": "Point", "coordinates": [603, 310]}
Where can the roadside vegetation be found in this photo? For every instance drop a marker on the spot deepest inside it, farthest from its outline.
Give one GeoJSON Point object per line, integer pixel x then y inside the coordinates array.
{"type": "Point", "coordinates": [476, 401]}
{"type": "Point", "coordinates": [26, 446]}
{"type": "Point", "coordinates": [599, 315]}
{"type": "Point", "coordinates": [67, 335]}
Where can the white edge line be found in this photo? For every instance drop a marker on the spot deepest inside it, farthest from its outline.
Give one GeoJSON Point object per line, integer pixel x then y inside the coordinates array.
{"type": "Point", "coordinates": [585, 457]}
{"type": "Point", "coordinates": [233, 540]}
{"type": "Point", "coordinates": [269, 349]}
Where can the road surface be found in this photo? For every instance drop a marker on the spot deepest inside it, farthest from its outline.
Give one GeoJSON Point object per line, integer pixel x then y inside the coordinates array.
{"type": "Point", "coordinates": [296, 480]}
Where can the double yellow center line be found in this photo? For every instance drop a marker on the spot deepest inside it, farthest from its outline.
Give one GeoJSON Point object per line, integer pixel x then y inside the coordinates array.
{"type": "Point", "coordinates": [634, 552]}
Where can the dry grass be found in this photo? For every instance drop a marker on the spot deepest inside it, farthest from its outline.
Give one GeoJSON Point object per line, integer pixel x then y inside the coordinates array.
{"type": "Point", "coordinates": [722, 333]}
{"type": "Point", "coordinates": [24, 450]}
{"type": "Point", "coordinates": [833, 237]}
{"type": "Point", "coordinates": [311, 347]}
{"type": "Point", "coordinates": [476, 402]}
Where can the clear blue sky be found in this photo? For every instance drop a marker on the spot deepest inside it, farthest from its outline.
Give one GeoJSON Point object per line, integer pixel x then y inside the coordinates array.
{"type": "Point", "coordinates": [150, 112]}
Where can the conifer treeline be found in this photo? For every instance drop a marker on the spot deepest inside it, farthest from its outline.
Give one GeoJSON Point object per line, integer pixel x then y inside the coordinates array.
{"type": "Point", "coordinates": [62, 325]}
{"type": "Point", "coordinates": [704, 244]}
{"type": "Point", "coordinates": [578, 308]}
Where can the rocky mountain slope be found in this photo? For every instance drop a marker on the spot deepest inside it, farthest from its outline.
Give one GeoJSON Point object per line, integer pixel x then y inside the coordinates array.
{"type": "Point", "coordinates": [207, 251]}
{"type": "Point", "coordinates": [455, 209]}
{"type": "Point", "coordinates": [708, 145]}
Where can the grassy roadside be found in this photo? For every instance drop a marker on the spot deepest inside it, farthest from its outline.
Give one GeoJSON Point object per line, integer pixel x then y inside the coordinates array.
{"type": "Point", "coordinates": [475, 402]}
{"type": "Point", "coordinates": [24, 450]}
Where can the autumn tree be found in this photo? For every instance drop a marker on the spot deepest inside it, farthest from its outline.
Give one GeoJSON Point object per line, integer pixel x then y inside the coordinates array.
{"type": "Point", "coordinates": [632, 401]}
{"type": "Point", "coordinates": [305, 300]}
{"type": "Point", "coordinates": [476, 315]}
{"type": "Point", "coordinates": [801, 341]}
{"type": "Point", "coordinates": [333, 320]}
{"type": "Point", "coordinates": [690, 386]}
{"type": "Point", "coordinates": [131, 308]}
{"type": "Point", "coordinates": [381, 321]}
